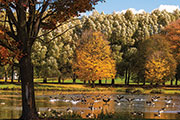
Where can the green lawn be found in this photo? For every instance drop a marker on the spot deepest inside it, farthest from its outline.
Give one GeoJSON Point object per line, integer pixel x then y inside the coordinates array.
{"type": "Point", "coordinates": [117, 81]}
{"type": "Point", "coordinates": [88, 88]}
{"type": "Point", "coordinates": [10, 86]}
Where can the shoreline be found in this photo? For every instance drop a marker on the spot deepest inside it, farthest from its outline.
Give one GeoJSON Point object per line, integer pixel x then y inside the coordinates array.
{"type": "Point", "coordinates": [99, 88]}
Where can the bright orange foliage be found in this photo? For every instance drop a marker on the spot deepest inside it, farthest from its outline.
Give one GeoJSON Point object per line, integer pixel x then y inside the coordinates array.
{"type": "Point", "coordinates": [93, 58]}
{"type": "Point", "coordinates": [172, 32]}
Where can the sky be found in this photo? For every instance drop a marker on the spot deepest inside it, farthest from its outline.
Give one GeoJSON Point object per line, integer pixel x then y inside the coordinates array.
{"type": "Point", "coordinates": [136, 5]}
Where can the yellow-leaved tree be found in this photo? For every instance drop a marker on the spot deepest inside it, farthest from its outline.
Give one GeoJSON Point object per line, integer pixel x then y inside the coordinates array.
{"type": "Point", "coordinates": [157, 68]}
{"type": "Point", "coordinates": [159, 64]}
{"type": "Point", "coordinates": [93, 58]}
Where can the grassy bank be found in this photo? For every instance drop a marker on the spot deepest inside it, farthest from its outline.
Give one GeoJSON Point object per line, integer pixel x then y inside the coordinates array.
{"type": "Point", "coordinates": [108, 81]}
{"type": "Point", "coordinates": [87, 88]}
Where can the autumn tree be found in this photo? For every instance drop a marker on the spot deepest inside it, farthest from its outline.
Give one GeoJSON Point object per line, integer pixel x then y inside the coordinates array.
{"type": "Point", "coordinates": [157, 68]}
{"type": "Point", "coordinates": [172, 33]}
{"type": "Point", "coordinates": [93, 58]}
{"type": "Point", "coordinates": [159, 64]}
{"type": "Point", "coordinates": [24, 19]}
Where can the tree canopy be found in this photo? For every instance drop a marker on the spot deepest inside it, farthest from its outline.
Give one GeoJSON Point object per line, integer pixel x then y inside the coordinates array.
{"type": "Point", "coordinates": [93, 58]}
{"type": "Point", "coordinates": [160, 65]}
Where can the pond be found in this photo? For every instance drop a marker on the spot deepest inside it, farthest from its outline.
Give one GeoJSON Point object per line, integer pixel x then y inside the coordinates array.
{"type": "Point", "coordinates": [150, 106]}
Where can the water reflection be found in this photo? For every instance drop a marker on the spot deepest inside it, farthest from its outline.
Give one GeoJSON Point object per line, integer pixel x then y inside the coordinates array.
{"type": "Point", "coordinates": [86, 104]}
{"type": "Point", "coordinates": [10, 105]}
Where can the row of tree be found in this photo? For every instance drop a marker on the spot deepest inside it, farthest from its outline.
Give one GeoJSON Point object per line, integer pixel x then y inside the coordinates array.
{"type": "Point", "coordinates": [135, 53]}
{"type": "Point", "coordinates": [126, 33]}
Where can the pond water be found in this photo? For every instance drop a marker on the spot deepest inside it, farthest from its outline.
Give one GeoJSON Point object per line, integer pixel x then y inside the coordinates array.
{"type": "Point", "coordinates": [144, 106]}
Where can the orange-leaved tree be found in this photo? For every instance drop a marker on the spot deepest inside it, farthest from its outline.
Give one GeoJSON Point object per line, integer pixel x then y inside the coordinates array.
{"type": "Point", "coordinates": [172, 33]}
{"type": "Point", "coordinates": [93, 59]}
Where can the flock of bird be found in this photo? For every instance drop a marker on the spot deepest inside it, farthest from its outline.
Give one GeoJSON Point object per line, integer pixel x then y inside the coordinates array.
{"type": "Point", "coordinates": [118, 99]}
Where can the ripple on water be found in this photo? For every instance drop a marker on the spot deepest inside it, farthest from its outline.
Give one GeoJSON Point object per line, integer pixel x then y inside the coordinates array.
{"type": "Point", "coordinates": [12, 105]}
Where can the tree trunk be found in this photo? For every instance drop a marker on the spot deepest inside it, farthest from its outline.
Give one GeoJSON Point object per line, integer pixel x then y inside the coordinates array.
{"type": "Point", "coordinates": [93, 84]}
{"type": "Point", "coordinates": [176, 82]}
{"type": "Point", "coordinates": [157, 84]}
{"type": "Point", "coordinates": [26, 37]}
{"type": "Point", "coordinates": [138, 80]}
{"type": "Point", "coordinates": [100, 82]}
{"type": "Point", "coordinates": [171, 82]}
{"type": "Point", "coordinates": [27, 84]}
{"type": "Point", "coordinates": [59, 79]}
{"type": "Point", "coordinates": [126, 77]}
{"type": "Point", "coordinates": [144, 81]}
{"type": "Point", "coordinates": [106, 81]}
{"type": "Point", "coordinates": [129, 76]}
{"type": "Point", "coordinates": [84, 81]}
{"type": "Point", "coordinates": [164, 83]}
{"type": "Point", "coordinates": [176, 79]}
{"type": "Point", "coordinates": [74, 80]}
{"type": "Point", "coordinates": [89, 82]}
{"type": "Point", "coordinates": [112, 82]}
{"type": "Point", "coordinates": [19, 78]}
{"type": "Point", "coordinates": [5, 77]}
{"type": "Point", "coordinates": [12, 74]}
{"type": "Point", "coordinates": [45, 80]}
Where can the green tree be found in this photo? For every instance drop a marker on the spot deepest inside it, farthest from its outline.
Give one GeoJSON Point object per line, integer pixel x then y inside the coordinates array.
{"type": "Point", "coordinates": [44, 56]}
{"type": "Point", "coordinates": [60, 51]}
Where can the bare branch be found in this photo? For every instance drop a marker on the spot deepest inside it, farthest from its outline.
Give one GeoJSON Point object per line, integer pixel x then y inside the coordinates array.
{"type": "Point", "coordinates": [44, 7]}
{"type": "Point", "coordinates": [11, 27]}
{"type": "Point", "coordinates": [11, 15]}
{"type": "Point", "coordinates": [36, 25]}
{"type": "Point", "coordinates": [12, 5]}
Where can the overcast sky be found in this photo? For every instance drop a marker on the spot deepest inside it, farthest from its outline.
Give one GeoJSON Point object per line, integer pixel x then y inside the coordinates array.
{"type": "Point", "coordinates": [136, 5]}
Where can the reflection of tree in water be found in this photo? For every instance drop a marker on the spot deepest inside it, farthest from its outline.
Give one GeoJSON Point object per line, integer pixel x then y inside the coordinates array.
{"type": "Point", "coordinates": [12, 104]}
